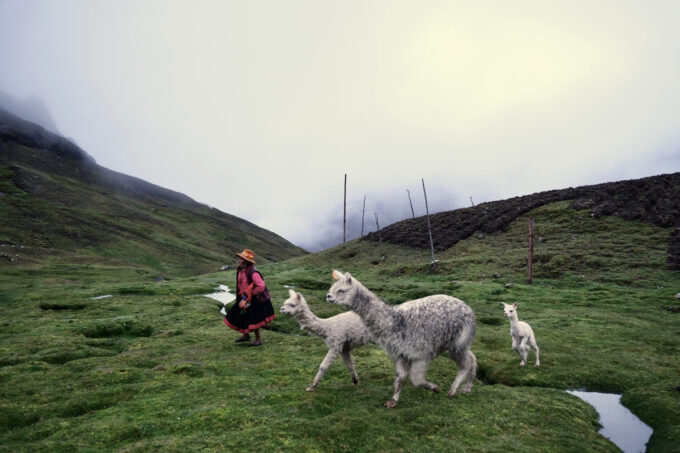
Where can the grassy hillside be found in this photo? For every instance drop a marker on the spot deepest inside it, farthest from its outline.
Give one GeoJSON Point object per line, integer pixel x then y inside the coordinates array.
{"type": "Point", "coordinates": [154, 368]}
{"type": "Point", "coordinates": [56, 203]}
{"type": "Point", "coordinates": [655, 200]}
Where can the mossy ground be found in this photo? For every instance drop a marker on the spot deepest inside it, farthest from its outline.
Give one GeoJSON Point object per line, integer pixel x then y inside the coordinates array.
{"type": "Point", "coordinates": [154, 368]}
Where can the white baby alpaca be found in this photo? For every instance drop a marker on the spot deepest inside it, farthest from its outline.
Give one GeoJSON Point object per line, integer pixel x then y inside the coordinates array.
{"type": "Point", "coordinates": [523, 338]}
{"type": "Point", "coordinates": [341, 333]}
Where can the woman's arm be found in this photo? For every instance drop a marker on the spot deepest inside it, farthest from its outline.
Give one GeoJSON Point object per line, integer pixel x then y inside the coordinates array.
{"type": "Point", "coordinates": [258, 283]}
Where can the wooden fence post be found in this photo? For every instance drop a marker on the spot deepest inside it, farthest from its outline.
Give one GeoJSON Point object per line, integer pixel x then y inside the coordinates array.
{"type": "Point", "coordinates": [429, 228]}
{"type": "Point", "coordinates": [377, 224]}
{"type": "Point", "coordinates": [362, 217]}
{"type": "Point", "coordinates": [531, 250]}
{"type": "Point", "coordinates": [413, 214]}
{"type": "Point", "coordinates": [344, 216]}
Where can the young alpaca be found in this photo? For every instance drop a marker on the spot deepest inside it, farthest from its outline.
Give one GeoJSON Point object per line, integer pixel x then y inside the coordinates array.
{"type": "Point", "coordinates": [341, 333]}
{"type": "Point", "coordinates": [523, 338]}
{"type": "Point", "coordinates": [413, 333]}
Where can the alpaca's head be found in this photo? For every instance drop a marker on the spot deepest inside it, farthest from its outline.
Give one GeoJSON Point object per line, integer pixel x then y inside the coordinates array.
{"type": "Point", "coordinates": [294, 305]}
{"type": "Point", "coordinates": [510, 311]}
{"type": "Point", "coordinates": [340, 292]}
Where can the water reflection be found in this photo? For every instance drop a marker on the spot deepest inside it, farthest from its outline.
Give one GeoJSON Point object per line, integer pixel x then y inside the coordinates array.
{"type": "Point", "coordinates": [619, 424]}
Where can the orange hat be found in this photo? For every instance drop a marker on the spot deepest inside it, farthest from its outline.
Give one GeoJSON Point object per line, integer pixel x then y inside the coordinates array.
{"type": "Point", "coordinates": [247, 255]}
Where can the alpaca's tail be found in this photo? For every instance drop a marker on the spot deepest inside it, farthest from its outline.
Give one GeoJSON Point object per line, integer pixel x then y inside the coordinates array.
{"type": "Point", "coordinates": [465, 337]}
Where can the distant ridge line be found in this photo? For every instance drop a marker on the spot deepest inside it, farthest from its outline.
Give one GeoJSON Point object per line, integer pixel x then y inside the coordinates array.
{"type": "Point", "coordinates": [654, 199]}
{"type": "Point", "coordinates": [15, 129]}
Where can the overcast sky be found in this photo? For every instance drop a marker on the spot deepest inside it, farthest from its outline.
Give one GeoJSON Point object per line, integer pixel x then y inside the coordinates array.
{"type": "Point", "coordinates": [259, 108]}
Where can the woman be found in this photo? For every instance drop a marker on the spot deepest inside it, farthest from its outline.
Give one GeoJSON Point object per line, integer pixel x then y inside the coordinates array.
{"type": "Point", "coordinates": [253, 308]}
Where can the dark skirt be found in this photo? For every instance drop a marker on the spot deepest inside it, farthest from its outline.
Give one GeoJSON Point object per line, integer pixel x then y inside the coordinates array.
{"type": "Point", "coordinates": [257, 315]}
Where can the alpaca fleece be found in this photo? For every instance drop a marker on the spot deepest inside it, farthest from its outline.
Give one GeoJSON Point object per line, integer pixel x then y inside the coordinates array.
{"type": "Point", "coordinates": [414, 332]}
{"type": "Point", "coordinates": [341, 333]}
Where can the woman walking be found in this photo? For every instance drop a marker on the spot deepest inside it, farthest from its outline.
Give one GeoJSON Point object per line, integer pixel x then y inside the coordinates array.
{"type": "Point", "coordinates": [253, 308]}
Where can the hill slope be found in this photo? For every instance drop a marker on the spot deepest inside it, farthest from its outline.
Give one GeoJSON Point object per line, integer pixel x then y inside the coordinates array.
{"type": "Point", "coordinates": [654, 200]}
{"type": "Point", "coordinates": [56, 201]}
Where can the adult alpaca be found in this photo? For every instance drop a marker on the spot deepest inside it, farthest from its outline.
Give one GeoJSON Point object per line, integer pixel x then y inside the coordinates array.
{"type": "Point", "coordinates": [341, 333]}
{"type": "Point", "coordinates": [413, 333]}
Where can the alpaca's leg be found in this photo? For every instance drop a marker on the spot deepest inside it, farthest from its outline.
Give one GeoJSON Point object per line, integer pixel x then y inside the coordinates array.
{"type": "Point", "coordinates": [418, 370]}
{"type": "Point", "coordinates": [532, 342]}
{"type": "Point", "coordinates": [401, 366]}
{"type": "Point", "coordinates": [327, 362]}
{"type": "Point", "coordinates": [515, 346]}
{"type": "Point", "coordinates": [466, 362]}
{"type": "Point", "coordinates": [523, 351]}
{"type": "Point", "coordinates": [349, 363]}
{"type": "Point", "coordinates": [471, 373]}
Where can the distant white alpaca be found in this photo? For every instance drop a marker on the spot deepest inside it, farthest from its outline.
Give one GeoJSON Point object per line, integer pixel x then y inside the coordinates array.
{"type": "Point", "coordinates": [341, 333]}
{"type": "Point", "coordinates": [523, 338]}
{"type": "Point", "coordinates": [413, 333]}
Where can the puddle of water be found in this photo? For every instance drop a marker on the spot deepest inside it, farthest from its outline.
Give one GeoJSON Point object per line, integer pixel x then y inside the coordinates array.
{"type": "Point", "coordinates": [223, 295]}
{"type": "Point", "coordinates": [619, 424]}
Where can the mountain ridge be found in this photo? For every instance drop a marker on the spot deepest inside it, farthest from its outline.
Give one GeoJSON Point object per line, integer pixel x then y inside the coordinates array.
{"type": "Point", "coordinates": [54, 195]}
{"type": "Point", "coordinates": [32, 108]}
{"type": "Point", "coordinates": [21, 131]}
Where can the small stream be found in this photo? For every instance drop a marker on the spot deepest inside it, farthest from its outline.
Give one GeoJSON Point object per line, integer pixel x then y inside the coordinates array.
{"type": "Point", "coordinates": [619, 424]}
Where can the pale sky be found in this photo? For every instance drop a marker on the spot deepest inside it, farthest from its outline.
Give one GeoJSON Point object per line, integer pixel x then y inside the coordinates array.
{"type": "Point", "coordinates": [259, 108]}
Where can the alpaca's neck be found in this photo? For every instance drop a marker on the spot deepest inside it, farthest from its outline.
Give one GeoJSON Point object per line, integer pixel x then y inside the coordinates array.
{"type": "Point", "coordinates": [311, 322]}
{"type": "Point", "coordinates": [514, 319]}
{"type": "Point", "coordinates": [375, 313]}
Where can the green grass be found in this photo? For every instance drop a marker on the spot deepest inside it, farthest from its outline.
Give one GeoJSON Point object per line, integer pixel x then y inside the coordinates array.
{"type": "Point", "coordinates": [154, 368]}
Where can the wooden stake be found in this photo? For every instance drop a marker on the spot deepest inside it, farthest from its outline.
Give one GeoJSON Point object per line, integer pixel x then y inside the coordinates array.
{"type": "Point", "coordinates": [413, 214]}
{"type": "Point", "coordinates": [377, 224]}
{"type": "Point", "coordinates": [472, 202]}
{"type": "Point", "coordinates": [362, 217]}
{"type": "Point", "coordinates": [531, 249]}
{"type": "Point", "coordinates": [344, 217]}
{"type": "Point", "coordinates": [429, 228]}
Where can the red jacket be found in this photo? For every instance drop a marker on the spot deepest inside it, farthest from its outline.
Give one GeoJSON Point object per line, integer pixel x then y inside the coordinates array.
{"type": "Point", "coordinates": [251, 276]}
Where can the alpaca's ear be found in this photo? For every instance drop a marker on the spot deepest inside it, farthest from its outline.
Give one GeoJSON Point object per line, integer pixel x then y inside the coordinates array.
{"type": "Point", "coordinates": [514, 305]}
{"type": "Point", "coordinates": [348, 278]}
{"type": "Point", "coordinates": [337, 275]}
{"type": "Point", "coordinates": [298, 296]}
{"type": "Point", "coordinates": [291, 293]}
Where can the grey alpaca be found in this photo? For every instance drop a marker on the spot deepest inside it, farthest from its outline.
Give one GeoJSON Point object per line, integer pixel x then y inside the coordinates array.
{"type": "Point", "coordinates": [413, 333]}
{"type": "Point", "coordinates": [341, 333]}
{"type": "Point", "coordinates": [523, 338]}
